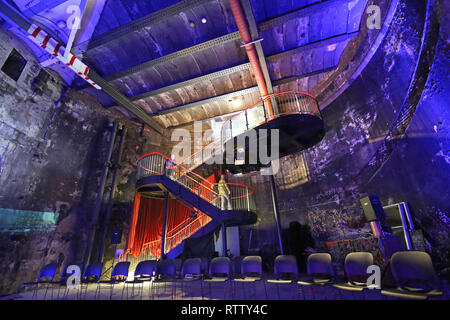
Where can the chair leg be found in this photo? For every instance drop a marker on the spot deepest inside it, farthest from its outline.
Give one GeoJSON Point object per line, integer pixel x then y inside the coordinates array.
{"type": "Point", "coordinates": [210, 290]}
{"type": "Point", "coordinates": [150, 291]}
{"type": "Point", "coordinates": [34, 295]}
{"type": "Point", "coordinates": [46, 289]}
{"type": "Point", "coordinates": [85, 291]}
{"type": "Point", "coordinates": [111, 295]}
{"type": "Point", "coordinates": [201, 288]}
{"type": "Point", "coordinates": [265, 289]}
{"type": "Point", "coordinates": [34, 291]}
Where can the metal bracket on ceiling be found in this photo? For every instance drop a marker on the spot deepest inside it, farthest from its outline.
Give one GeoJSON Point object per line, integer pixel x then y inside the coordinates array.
{"type": "Point", "coordinates": [251, 42]}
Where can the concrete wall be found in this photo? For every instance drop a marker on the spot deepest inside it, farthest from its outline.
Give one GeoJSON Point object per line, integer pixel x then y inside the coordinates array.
{"type": "Point", "coordinates": [416, 171]}
{"type": "Point", "coordinates": [52, 150]}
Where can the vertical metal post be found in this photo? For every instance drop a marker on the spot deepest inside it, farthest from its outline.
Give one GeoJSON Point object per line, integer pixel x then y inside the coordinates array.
{"type": "Point", "coordinates": [276, 211]}
{"type": "Point", "coordinates": [99, 199]}
{"type": "Point", "coordinates": [224, 240]}
{"type": "Point", "coordinates": [164, 227]}
{"type": "Point", "coordinates": [111, 194]}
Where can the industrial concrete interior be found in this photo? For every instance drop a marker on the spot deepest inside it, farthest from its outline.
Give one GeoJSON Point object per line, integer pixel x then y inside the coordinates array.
{"type": "Point", "coordinates": [215, 150]}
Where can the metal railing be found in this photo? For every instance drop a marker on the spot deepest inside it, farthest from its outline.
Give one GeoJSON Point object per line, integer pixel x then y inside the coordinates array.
{"type": "Point", "coordinates": [185, 230]}
{"type": "Point", "coordinates": [268, 109]}
{"type": "Point", "coordinates": [264, 111]}
{"type": "Point", "coordinates": [154, 164]}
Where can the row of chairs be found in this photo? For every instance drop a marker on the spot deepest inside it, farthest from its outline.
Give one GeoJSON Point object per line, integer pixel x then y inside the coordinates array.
{"type": "Point", "coordinates": [412, 271]}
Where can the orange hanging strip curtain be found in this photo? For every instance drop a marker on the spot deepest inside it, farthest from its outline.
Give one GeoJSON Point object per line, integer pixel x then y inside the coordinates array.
{"type": "Point", "coordinates": [147, 221]}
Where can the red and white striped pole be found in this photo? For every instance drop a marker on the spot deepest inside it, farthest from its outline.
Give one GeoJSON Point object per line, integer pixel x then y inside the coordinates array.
{"type": "Point", "coordinates": [45, 41]}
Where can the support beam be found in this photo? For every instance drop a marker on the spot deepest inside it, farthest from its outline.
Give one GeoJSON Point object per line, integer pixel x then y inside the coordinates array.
{"type": "Point", "coordinates": [246, 5]}
{"type": "Point", "coordinates": [98, 201]}
{"type": "Point", "coordinates": [107, 219]}
{"type": "Point", "coordinates": [276, 212]}
{"type": "Point", "coordinates": [210, 76]}
{"type": "Point", "coordinates": [224, 240]}
{"type": "Point", "coordinates": [223, 39]}
{"type": "Point", "coordinates": [206, 101]}
{"type": "Point", "coordinates": [140, 23]}
{"type": "Point", "coordinates": [12, 16]}
{"type": "Point", "coordinates": [232, 95]}
{"type": "Point", "coordinates": [235, 94]}
{"type": "Point", "coordinates": [176, 55]}
{"type": "Point", "coordinates": [125, 102]}
{"type": "Point", "coordinates": [221, 73]}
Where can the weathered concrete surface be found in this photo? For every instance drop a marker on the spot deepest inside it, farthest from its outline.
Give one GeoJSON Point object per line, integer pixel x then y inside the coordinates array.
{"type": "Point", "coordinates": [417, 171]}
{"type": "Point", "coordinates": [52, 149]}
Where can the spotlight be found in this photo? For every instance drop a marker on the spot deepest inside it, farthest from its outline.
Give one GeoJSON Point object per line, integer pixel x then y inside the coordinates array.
{"type": "Point", "coordinates": [192, 24]}
{"type": "Point", "coordinates": [204, 20]}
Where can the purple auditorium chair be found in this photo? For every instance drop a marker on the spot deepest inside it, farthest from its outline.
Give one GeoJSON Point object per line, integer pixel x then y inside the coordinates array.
{"type": "Point", "coordinates": [46, 276]}
{"type": "Point", "coordinates": [251, 272]}
{"type": "Point", "coordinates": [414, 276]}
{"type": "Point", "coordinates": [119, 274]}
{"type": "Point", "coordinates": [190, 273]}
{"type": "Point", "coordinates": [91, 274]}
{"type": "Point", "coordinates": [219, 272]}
{"type": "Point", "coordinates": [319, 270]}
{"type": "Point", "coordinates": [285, 271]}
{"type": "Point", "coordinates": [355, 265]}
{"type": "Point", "coordinates": [145, 272]}
{"type": "Point", "coordinates": [166, 274]}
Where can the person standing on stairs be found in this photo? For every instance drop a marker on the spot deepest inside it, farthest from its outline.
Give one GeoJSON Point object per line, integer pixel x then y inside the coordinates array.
{"type": "Point", "coordinates": [225, 193]}
{"type": "Point", "coordinates": [169, 167]}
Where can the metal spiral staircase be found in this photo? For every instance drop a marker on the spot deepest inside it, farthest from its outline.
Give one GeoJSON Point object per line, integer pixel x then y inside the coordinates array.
{"type": "Point", "coordinates": [297, 117]}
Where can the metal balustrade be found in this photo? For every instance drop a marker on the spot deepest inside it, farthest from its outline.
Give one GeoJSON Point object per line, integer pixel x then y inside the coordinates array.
{"type": "Point", "coordinates": [157, 164]}
{"type": "Point", "coordinates": [268, 109]}
{"type": "Point", "coordinates": [154, 164]}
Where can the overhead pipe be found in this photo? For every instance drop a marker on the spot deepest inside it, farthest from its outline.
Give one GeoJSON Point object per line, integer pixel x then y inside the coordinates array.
{"type": "Point", "coordinates": [239, 17]}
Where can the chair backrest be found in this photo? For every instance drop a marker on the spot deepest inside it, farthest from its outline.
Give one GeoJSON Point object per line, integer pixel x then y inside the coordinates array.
{"type": "Point", "coordinates": [166, 268]}
{"type": "Point", "coordinates": [220, 265]}
{"type": "Point", "coordinates": [178, 263]}
{"type": "Point", "coordinates": [48, 271]}
{"type": "Point", "coordinates": [94, 269]}
{"type": "Point", "coordinates": [356, 264]}
{"type": "Point", "coordinates": [286, 264]}
{"type": "Point", "coordinates": [413, 268]}
{"type": "Point", "coordinates": [65, 274]}
{"type": "Point", "coordinates": [121, 269]}
{"type": "Point", "coordinates": [319, 264]}
{"type": "Point", "coordinates": [251, 265]}
{"type": "Point", "coordinates": [145, 268]}
{"type": "Point", "coordinates": [191, 266]}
